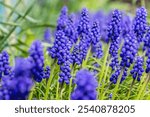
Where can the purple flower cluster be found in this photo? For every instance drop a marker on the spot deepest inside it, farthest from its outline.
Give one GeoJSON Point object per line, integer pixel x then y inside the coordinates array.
{"type": "Point", "coordinates": [63, 19]}
{"type": "Point", "coordinates": [95, 32]}
{"type": "Point", "coordinates": [65, 73]}
{"type": "Point", "coordinates": [147, 41]}
{"type": "Point", "coordinates": [84, 33]}
{"type": "Point", "coordinates": [84, 22]}
{"type": "Point", "coordinates": [5, 68]}
{"type": "Point", "coordinates": [148, 64]}
{"type": "Point", "coordinates": [114, 62]}
{"type": "Point", "coordinates": [114, 26]}
{"type": "Point", "coordinates": [37, 60]}
{"type": "Point", "coordinates": [114, 33]}
{"type": "Point", "coordinates": [138, 69]}
{"type": "Point", "coordinates": [126, 24]}
{"type": "Point", "coordinates": [86, 86]}
{"type": "Point", "coordinates": [115, 75]}
{"type": "Point", "coordinates": [61, 48]}
{"type": "Point", "coordinates": [71, 30]}
{"type": "Point", "coordinates": [129, 50]}
{"type": "Point", "coordinates": [140, 23]}
{"type": "Point", "coordinates": [96, 44]}
{"type": "Point", "coordinates": [18, 87]}
{"type": "Point", "coordinates": [97, 50]}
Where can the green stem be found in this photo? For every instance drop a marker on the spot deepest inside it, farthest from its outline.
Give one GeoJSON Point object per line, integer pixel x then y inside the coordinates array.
{"type": "Point", "coordinates": [70, 85]}
{"type": "Point", "coordinates": [143, 3]}
{"type": "Point", "coordinates": [49, 81]}
{"type": "Point", "coordinates": [57, 91]}
{"type": "Point", "coordinates": [129, 92]}
{"type": "Point", "coordinates": [86, 59]}
{"type": "Point", "coordinates": [70, 88]}
{"type": "Point", "coordinates": [142, 95]}
{"type": "Point", "coordinates": [105, 76]}
{"type": "Point", "coordinates": [117, 85]}
{"type": "Point", "coordinates": [143, 87]}
{"type": "Point", "coordinates": [103, 69]}
{"type": "Point", "coordinates": [31, 93]}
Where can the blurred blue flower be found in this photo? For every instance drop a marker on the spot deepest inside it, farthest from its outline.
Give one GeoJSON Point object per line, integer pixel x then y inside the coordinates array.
{"type": "Point", "coordinates": [18, 87]}
{"type": "Point", "coordinates": [47, 35]}
{"type": "Point", "coordinates": [86, 86]}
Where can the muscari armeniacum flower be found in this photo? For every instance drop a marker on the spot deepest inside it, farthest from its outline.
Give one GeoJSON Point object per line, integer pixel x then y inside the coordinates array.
{"type": "Point", "coordinates": [84, 33]}
{"type": "Point", "coordinates": [129, 50]}
{"type": "Point", "coordinates": [47, 35]}
{"type": "Point", "coordinates": [18, 87]}
{"type": "Point", "coordinates": [5, 68]}
{"type": "Point", "coordinates": [61, 48]}
{"type": "Point", "coordinates": [128, 53]}
{"type": "Point", "coordinates": [95, 40]}
{"type": "Point", "coordinates": [86, 86]}
{"type": "Point", "coordinates": [65, 73]}
{"type": "Point", "coordinates": [37, 59]}
{"type": "Point", "coordinates": [147, 40]}
{"type": "Point", "coordinates": [71, 30]}
{"type": "Point", "coordinates": [140, 23]}
{"type": "Point", "coordinates": [138, 69]}
{"type": "Point", "coordinates": [63, 19]}
{"type": "Point", "coordinates": [114, 33]}
{"type": "Point", "coordinates": [126, 24]}
{"type": "Point", "coordinates": [114, 77]}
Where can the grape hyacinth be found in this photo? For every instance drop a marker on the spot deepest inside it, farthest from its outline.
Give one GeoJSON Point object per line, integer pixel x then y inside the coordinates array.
{"type": "Point", "coordinates": [97, 66]}
{"type": "Point", "coordinates": [61, 48]}
{"type": "Point", "coordinates": [116, 74]}
{"type": "Point", "coordinates": [5, 68]}
{"type": "Point", "coordinates": [147, 41]}
{"type": "Point", "coordinates": [75, 55]}
{"type": "Point", "coordinates": [138, 69]}
{"type": "Point", "coordinates": [65, 74]}
{"type": "Point", "coordinates": [86, 86]}
{"type": "Point", "coordinates": [95, 31]}
{"type": "Point", "coordinates": [114, 33]}
{"type": "Point", "coordinates": [114, 62]}
{"type": "Point", "coordinates": [63, 19]}
{"type": "Point", "coordinates": [126, 24]}
{"type": "Point", "coordinates": [71, 30]}
{"type": "Point", "coordinates": [140, 23]}
{"type": "Point", "coordinates": [129, 50]}
{"type": "Point", "coordinates": [148, 63]}
{"type": "Point", "coordinates": [37, 59]}
{"type": "Point", "coordinates": [84, 33]}
{"type": "Point", "coordinates": [84, 22]}
{"type": "Point", "coordinates": [17, 88]}
{"type": "Point", "coordinates": [47, 35]}
{"type": "Point", "coordinates": [96, 44]}
{"type": "Point", "coordinates": [114, 26]}
{"type": "Point", "coordinates": [97, 50]}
